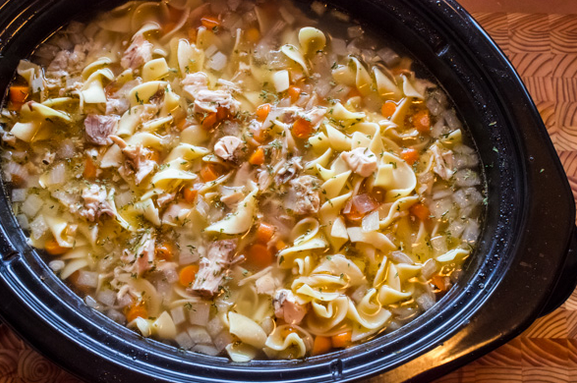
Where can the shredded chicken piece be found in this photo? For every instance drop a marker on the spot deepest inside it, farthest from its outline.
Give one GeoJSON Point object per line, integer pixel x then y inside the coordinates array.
{"type": "Point", "coordinates": [138, 160]}
{"type": "Point", "coordinates": [98, 128]}
{"type": "Point", "coordinates": [288, 170]}
{"type": "Point", "coordinates": [165, 198]}
{"type": "Point", "coordinates": [142, 258]}
{"type": "Point", "coordinates": [194, 83]}
{"type": "Point", "coordinates": [228, 148]}
{"type": "Point", "coordinates": [95, 203]}
{"type": "Point", "coordinates": [208, 101]}
{"type": "Point", "coordinates": [213, 266]}
{"type": "Point", "coordinates": [443, 162]}
{"type": "Point", "coordinates": [287, 307]}
{"type": "Point", "coordinates": [361, 161]}
{"type": "Point", "coordinates": [308, 200]}
{"type": "Point", "coordinates": [138, 53]}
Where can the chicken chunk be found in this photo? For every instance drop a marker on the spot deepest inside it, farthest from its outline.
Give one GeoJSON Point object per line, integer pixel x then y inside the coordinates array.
{"type": "Point", "coordinates": [138, 53]}
{"type": "Point", "coordinates": [95, 203]}
{"type": "Point", "coordinates": [138, 160]}
{"type": "Point", "coordinates": [229, 148]}
{"type": "Point", "coordinates": [208, 101]}
{"type": "Point", "coordinates": [444, 164]}
{"type": "Point", "coordinates": [308, 200]}
{"type": "Point", "coordinates": [361, 161]}
{"type": "Point", "coordinates": [213, 266]}
{"type": "Point", "coordinates": [287, 307]}
{"type": "Point", "coordinates": [141, 258]}
{"type": "Point", "coordinates": [194, 83]}
{"type": "Point", "coordinates": [97, 128]}
{"type": "Point", "coordinates": [289, 170]}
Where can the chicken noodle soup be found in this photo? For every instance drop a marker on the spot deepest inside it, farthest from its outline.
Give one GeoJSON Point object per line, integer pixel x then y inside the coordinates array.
{"type": "Point", "coordinates": [239, 179]}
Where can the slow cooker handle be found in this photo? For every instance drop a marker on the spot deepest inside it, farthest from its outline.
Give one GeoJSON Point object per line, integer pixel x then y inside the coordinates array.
{"type": "Point", "coordinates": [567, 280]}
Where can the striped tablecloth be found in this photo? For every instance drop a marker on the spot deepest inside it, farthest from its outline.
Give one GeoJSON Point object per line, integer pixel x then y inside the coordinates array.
{"type": "Point", "coordinates": [543, 48]}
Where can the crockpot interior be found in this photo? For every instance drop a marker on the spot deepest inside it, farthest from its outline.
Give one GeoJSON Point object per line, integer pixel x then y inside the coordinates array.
{"type": "Point", "coordinates": [506, 282]}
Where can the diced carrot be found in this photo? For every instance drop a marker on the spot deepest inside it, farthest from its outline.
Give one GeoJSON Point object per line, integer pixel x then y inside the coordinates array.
{"type": "Point", "coordinates": [187, 275]}
{"type": "Point", "coordinates": [280, 245]}
{"type": "Point", "coordinates": [154, 155]}
{"type": "Point", "coordinates": [53, 248]}
{"type": "Point", "coordinates": [264, 232]}
{"type": "Point", "coordinates": [302, 128]}
{"type": "Point", "coordinates": [89, 169]}
{"type": "Point", "coordinates": [420, 211]}
{"type": "Point", "coordinates": [209, 172]}
{"type": "Point", "coordinates": [182, 124]}
{"type": "Point", "coordinates": [286, 331]}
{"type": "Point", "coordinates": [321, 345]}
{"type": "Point", "coordinates": [192, 34]}
{"type": "Point", "coordinates": [262, 112]}
{"type": "Point", "coordinates": [209, 121]}
{"type": "Point", "coordinates": [410, 156]}
{"type": "Point", "coordinates": [357, 207]}
{"type": "Point", "coordinates": [210, 22]}
{"type": "Point", "coordinates": [259, 256]}
{"type": "Point", "coordinates": [253, 35]}
{"type": "Point", "coordinates": [422, 121]}
{"type": "Point", "coordinates": [439, 282]}
{"type": "Point", "coordinates": [342, 340]}
{"type": "Point", "coordinates": [221, 114]}
{"type": "Point", "coordinates": [164, 251]}
{"type": "Point", "coordinates": [260, 135]}
{"type": "Point", "coordinates": [136, 311]}
{"type": "Point", "coordinates": [294, 93]}
{"type": "Point", "coordinates": [16, 179]}
{"type": "Point", "coordinates": [257, 158]}
{"type": "Point", "coordinates": [189, 193]}
{"type": "Point", "coordinates": [388, 109]}
{"type": "Point", "coordinates": [354, 92]}
{"type": "Point", "coordinates": [19, 94]}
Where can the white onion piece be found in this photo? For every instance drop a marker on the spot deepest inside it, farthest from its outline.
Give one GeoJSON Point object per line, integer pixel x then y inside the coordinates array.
{"type": "Point", "coordinates": [116, 316]}
{"type": "Point", "coordinates": [389, 56]}
{"type": "Point", "coordinates": [400, 257]}
{"type": "Point", "coordinates": [198, 334]}
{"type": "Point", "coordinates": [425, 301]}
{"type": "Point", "coordinates": [12, 168]}
{"type": "Point", "coordinates": [87, 278]}
{"type": "Point", "coordinates": [23, 221]}
{"type": "Point", "coordinates": [177, 314]}
{"type": "Point", "coordinates": [371, 221]}
{"type": "Point", "coordinates": [471, 232]}
{"type": "Point", "coordinates": [222, 340]}
{"type": "Point", "coordinates": [91, 302]}
{"type": "Point", "coordinates": [467, 178]}
{"type": "Point", "coordinates": [339, 47]}
{"type": "Point", "coordinates": [106, 297]}
{"type": "Point", "coordinates": [318, 8]}
{"type": "Point", "coordinates": [38, 227]}
{"type": "Point", "coordinates": [198, 313]}
{"type": "Point", "coordinates": [56, 265]}
{"type": "Point", "coordinates": [18, 195]}
{"type": "Point", "coordinates": [355, 31]}
{"type": "Point", "coordinates": [430, 268]}
{"type": "Point", "coordinates": [56, 176]}
{"type": "Point", "coordinates": [205, 349]}
{"type": "Point", "coordinates": [214, 326]}
{"type": "Point", "coordinates": [183, 340]}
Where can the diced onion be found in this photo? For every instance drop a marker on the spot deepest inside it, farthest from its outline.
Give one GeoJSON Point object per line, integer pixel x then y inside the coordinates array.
{"type": "Point", "coordinates": [32, 205]}
{"type": "Point", "coordinates": [116, 316]}
{"type": "Point", "coordinates": [23, 221]}
{"type": "Point", "coordinates": [87, 278]}
{"type": "Point", "coordinates": [56, 265]}
{"type": "Point", "coordinates": [106, 297]}
{"type": "Point", "coordinates": [91, 302]}
{"type": "Point", "coordinates": [205, 349]}
{"type": "Point", "coordinates": [214, 326]}
{"type": "Point", "coordinates": [389, 56]}
{"type": "Point", "coordinates": [183, 340]}
{"type": "Point", "coordinates": [177, 314]}
{"type": "Point", "coordinates": [222, 340]}
{"type": "Point", "coordinates": [198, 313]}
{"type": "Point", "coordinates": [371, 221]}
{"type": "Point", "coordinates": [18, 195]}
{"type": "Point", "coordinates": [471, 232]}
{"type": "Point", "coordinates": [430, 268]}
{"type": "Point", "coordinates": [198, 334]}
{"type": "Point", "coordinates": [38, 227]}
{"type": "Point", "coordinates": [57, 175]}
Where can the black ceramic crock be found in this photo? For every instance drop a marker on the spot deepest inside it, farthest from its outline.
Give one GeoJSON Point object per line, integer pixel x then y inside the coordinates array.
{"type": "Point", "coordinates": [524, 267]}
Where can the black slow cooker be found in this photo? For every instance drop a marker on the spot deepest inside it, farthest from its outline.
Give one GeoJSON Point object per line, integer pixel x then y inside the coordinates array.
{"type": "Point", "coordinates": [525, 265]}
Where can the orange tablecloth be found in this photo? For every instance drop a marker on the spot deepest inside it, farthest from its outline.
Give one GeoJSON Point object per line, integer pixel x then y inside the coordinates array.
{"type": "Point", "coordinates": [543, 48]}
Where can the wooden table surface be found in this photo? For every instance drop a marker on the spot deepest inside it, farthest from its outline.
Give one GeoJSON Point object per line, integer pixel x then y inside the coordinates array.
{"type": "Point", "coordinates": [540, 38]}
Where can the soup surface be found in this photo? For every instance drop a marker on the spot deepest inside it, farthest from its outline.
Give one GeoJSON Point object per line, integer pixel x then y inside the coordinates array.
{"type": "Point", "coordinates": [251, 180]}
